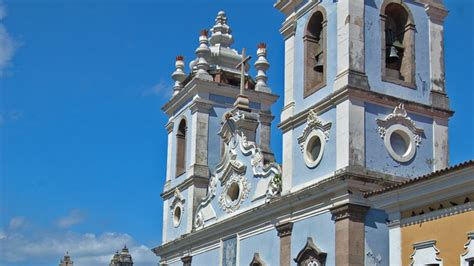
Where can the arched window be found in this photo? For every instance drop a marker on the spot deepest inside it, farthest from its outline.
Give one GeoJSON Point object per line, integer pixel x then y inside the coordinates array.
{"type": "Point", "coordinates": [398, 44]}
{"type": "Point", "coordinates": [315, 52]}
{"type": "Point", "coordinates": [181, 148]}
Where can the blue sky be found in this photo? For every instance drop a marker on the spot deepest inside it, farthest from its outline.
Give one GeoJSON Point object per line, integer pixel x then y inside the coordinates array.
{"type": "Point", "coordinates": [82, 137]}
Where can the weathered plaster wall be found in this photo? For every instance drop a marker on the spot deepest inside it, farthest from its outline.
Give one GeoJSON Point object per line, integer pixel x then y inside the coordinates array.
{"type": "Point", "coordinates": [449, 232]}
{"type": "Point", "coordinates": [321, 228]}
{"type": "Point", "coordinates": [376, 238]}
{"type": "Point", "coordinates": [373, 54]}
{"type": "Point", "coordinates": [377, 156]}
{"type": "Point", "coordinates": [302, 103]}
{"type": "Point", "coordinates": [214, 145]}
{"type": "Point", "coordinates": [210, 257]}
{"type": "Point", "coordinates": [327, 165]}
{"type": "Point", "coordinates": [266, 244]}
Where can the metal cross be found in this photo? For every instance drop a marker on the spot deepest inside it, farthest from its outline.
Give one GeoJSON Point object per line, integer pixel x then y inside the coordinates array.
{"type": "Point", "coordinates": [242, 70]}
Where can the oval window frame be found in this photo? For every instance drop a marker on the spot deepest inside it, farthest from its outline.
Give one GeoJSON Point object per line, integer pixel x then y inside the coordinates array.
{"type": "Point", "coordinates": [407, 136]}
{"type": "Point", "coordinates": [309, 161]}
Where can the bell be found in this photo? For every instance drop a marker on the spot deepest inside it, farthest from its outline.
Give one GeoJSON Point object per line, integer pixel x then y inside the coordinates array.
{"type": "Point", "coordinates": [392, 54]}
{"type": "Point", "coordinates": [319, 67]}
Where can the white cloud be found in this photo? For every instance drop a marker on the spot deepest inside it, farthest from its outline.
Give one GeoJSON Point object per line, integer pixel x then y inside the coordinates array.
{"type": "Point", "coordinates": [85, 249]}
{"type": "Point", "coordinates": [162, 88]}
{"type": "Point", "coordinates": [7, 44]}
{"type": "Point", "coordinates": [74, 217]}
{"type": "Point", "coordinates": [16, 223]}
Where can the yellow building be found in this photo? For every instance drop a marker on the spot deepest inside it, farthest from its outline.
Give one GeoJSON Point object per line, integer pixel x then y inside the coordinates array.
{"type": "Point", "coordinates": [431, 218]}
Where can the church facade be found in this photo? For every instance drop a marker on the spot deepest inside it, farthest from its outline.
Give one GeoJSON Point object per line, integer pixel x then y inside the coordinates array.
{"type": "Point", "coordinates": [365, 109]}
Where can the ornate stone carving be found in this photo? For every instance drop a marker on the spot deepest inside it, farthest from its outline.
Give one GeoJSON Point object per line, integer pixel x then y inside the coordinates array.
{"type": "Point", "coordinates": [177, 207]}
{"type": "Point", "coordinates": [399, 116]}
{"type": "Point", "coordinates": [234, 192]}
{"type": "Point", "coordinates": [312, 141]}
{"type": "Point", "coordinates": [407, 136]}
{"type": "Point", "coordinates": [313, 123]}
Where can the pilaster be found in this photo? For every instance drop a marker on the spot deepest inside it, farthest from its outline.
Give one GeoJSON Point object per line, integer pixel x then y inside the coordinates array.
{"type": "Point", "coordinates": [287, 164]}
{"type": "Point", "coordinates": [266, 119]}
{"type": "Point", "coordinates": [350, 133]}
{"type": "Point", "coordinates": [440, 144]}
{"type": "Point", "coordinates": [437, 14]}
{"type": "Point", "coordinates": [284, 232]}
{"type": "Point", "coordinates": [199, 138]}
{"type": "Point", "coordinates": [350, 45]}
{"type": "Point", "coordinates": [350, 234]}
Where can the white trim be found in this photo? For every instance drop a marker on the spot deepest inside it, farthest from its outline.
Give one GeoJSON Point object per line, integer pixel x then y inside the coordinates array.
{"type": "Point", "coordinates": [468, 255]}
{"type": "Point", "coordinates": [395, 249]}
{"type": "Point", "coordinates": [438, 214]}
{"type": "Point", "coordinates": [312, 137]}
{"type": "Point", "coordinates": [408, 138]}
{"type": "Point", "coordinates": [425, 253]}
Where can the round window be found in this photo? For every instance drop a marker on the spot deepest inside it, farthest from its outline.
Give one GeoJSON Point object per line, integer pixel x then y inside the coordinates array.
{"type": "Point", "coordinates": [314, 148]}
{"type": "Point", "coordinates": [233, 192]}
{"type": "Point", "coordinates": [399, 143]}
{"type": "Point", "coordinates": [177, 212]}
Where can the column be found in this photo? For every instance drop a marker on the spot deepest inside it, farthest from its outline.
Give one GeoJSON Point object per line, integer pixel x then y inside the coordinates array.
{"type": "Point", "coordinates": [350, 234]}
{"type": "Point", "coordinates": [284, 232]}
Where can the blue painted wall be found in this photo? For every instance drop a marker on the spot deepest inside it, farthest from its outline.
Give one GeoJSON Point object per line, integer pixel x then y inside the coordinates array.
{"type": "Point", "coordinates": [377, 156]}
{"type": "Point", "coordinates": [373, 53]}
{"type": "Point", "coordinates": [210, 257]}
{"type": "Point", "coordinates": [327, 165]}
{"type": "Point", "coordinates": [376, 238]}
{"type": "Point", "coordinates": [302, 103]}
{"type": "Point", "coordinates": [267, 244]}
{"type": "Point", "coordinates": [187, 115]}
{"type": "Point", "coordinates": [215, 141]}
{"type": "Point", "coordinates": [322, 229]}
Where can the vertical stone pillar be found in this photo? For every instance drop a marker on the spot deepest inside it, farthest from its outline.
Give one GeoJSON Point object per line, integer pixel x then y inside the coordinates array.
{"type": "Point", "coordinates": [266, 119]}
{"type": "Point", "coordinates": [284, 232]}
{"type": "Point", "coordinates": [441, 143]}
{"type": "Point", "coordinates": [287, 164]}
{"type": "Point", "coordinates": [187, 260]}
{"type": "Point", "coordinates": [436, 13]}
{"type": "Point", "coordinates": [288, 32]}
{"type": "Point", "coordinates": [395, 239]}
{"type": "Point", "coordinates": [199, 138]}
{"type": "Point", "coordinates": [350, 45]}
{"type": "Point", "coordinates": [350, 234]}
{"type": "Point", "coordinates": [350, 134]}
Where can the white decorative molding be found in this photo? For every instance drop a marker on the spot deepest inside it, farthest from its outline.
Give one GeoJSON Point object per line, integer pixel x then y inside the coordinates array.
{"type": "Point", "coordinates": [438, 214]}
{"type": "Point", "coordinates": [468, 254]}
{"type": "Point", "coordinates": [400, 123]}
{"type": "Point", "coordinates": [230, 205]}
{"type": "Point", "coordinates": [425, 253]}
{"type": "Point", "coordinates": [314, 129]}
{"type": "Point", "coordinates": [178, 202]}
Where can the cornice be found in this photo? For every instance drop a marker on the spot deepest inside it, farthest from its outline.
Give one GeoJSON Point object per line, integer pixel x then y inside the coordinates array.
{"type": "Point", "coordinates": [192, 180]}
{"type": "Point", "coordinates": [198, 86]}
{"type": "Point", "coordinates": [436, 12]}
{"type": "Point", "coordinates": [326, 192]}
{"type": "Point", "coordinates": [454, 210]}
{"type": "Point", "coordinates": [369, 96]}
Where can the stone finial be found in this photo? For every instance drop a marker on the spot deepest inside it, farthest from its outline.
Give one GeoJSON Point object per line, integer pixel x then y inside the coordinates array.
{"type": "Point", "coordinates": [203, 53]}
{"type": "Point", "coordinates": [261, 65]}
{"type": "Point", "coordinates": [221, 31]}
{"type": "Point", "coordinates": [178, 75]}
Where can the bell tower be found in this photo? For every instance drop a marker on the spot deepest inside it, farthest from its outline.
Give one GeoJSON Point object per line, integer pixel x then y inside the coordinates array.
{"type": "Point", "coordinates": [364, 89]}
{"type": "Point", "coordinates": [217, 82]}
